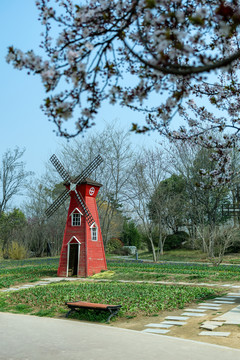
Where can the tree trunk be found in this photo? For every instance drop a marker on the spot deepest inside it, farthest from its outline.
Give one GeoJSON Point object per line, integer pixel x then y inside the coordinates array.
{"type": "Point", "coordinates": [153, 248]}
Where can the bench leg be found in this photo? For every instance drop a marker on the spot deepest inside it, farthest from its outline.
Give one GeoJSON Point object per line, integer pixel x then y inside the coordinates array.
{"type": "Point", "coordinates": [112, 313]}
{"type": "Point", "coordinates": [69, 312]}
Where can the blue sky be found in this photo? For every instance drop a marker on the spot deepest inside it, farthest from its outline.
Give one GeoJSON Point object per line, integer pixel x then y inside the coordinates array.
{"type": "Point", "coordinates": [22, 122]}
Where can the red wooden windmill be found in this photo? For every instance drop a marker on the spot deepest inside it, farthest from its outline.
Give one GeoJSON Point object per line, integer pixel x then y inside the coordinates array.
{"type": "Point", "coordinates": [82, 251]}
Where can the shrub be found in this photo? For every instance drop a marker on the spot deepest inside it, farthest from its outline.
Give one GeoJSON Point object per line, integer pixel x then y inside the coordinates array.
{"type": "Point", "coordinates": [114, 246]}
{"type": "Point", "coordinates": [130, 235]}
{"type": "Point", "coordinates": [174, 241]}
{"type": "Point", "coordinates": [235, 246]}
{"type": "Point", "coordinates": [16, 251]}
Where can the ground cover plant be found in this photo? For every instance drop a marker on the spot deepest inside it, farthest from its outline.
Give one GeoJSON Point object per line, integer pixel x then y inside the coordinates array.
{"type": "Point", "coordinates": [176, 255]}
{"type": "Point", "coordinates": [188, 272]}
{"type": "Point", "coordinates": [30, 270]}
{"type": "Point", "coordinates": [185, 255]}
{"type": "Point", "coordinates": [136, 299]}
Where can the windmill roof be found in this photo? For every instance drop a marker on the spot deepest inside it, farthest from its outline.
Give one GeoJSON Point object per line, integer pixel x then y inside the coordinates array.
{"type": "Point", "coordinates": [91, 182]}
{"type": "Point", "coordinates": [88, 181]}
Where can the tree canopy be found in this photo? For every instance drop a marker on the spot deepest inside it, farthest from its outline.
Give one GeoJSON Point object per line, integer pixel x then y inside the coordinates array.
{"type": "Point", "coordinates": [126, 51]}
{"type": "Point", "coordinates": [158, 57]}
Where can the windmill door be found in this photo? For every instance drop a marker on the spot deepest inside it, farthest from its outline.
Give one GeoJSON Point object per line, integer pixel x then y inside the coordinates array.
{"type": "Point", "coordinates": [73, 257]}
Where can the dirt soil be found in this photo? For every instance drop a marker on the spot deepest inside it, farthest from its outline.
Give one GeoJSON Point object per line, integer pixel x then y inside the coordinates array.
{"type": "Point", "coordinates": [192, 328]}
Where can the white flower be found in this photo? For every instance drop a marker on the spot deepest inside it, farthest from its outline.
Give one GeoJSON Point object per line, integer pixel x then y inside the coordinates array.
{"type": "Point", "coordinates": [10, 56]}
{"type": "Point", "coordinates": [86, 112]}
{"type": "Point", "coordinates": [81, 67]}
{"type": "Point", "coordinates": [113, 90]}
{"type": "Point", "coordinates": [60, 39]}
{"type": "Point", "coordinates": [72, 55]}
{"type": "Point", "coordinates": [48, 74]}
{"type": "Point", "coordinates": [85, 32]}
{"type": "Point", "coordinates": [64, 110]}
{"type": "Point", "coordinates": [89, 46]}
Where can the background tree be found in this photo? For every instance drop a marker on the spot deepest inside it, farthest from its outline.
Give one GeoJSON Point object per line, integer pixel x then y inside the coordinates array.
{"type": "Point", "coordinates": [234, 195]}
{"type": "Point", "coordinates": [168, 207]}
{"type": "Point", "coordinates": [205, 201]}
{"type": "Point", "coordinates": [44, 235]}
{"type": "Point", "coordinates": [130, 235]}
{"type": "Point", "coordinates": [12, 226]}
{"type": "Point", "coordinates": [222, 237]}
{"type": "Point", "coordinates": [114, 173]}
{"type": "Point", "coordinates": [13, 176]}
{"type": "Point", "coordinates": [167, 200]}
{"type": "Point", "coordinates": [148, 172]}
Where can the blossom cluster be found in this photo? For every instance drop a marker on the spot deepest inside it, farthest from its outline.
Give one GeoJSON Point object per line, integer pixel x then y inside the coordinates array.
{"type": "Point", "coordinates": [126, 51]}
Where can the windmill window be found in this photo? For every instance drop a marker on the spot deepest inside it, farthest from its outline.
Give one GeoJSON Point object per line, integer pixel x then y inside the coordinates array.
{"type": "Point", "coordinates": [94, 233]}
{"type": "Point", "coordinates": [76, 219]}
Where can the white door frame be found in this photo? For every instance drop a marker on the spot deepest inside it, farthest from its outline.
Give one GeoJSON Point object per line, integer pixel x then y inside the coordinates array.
{"type": "Point", "coordinates": [68, 252]}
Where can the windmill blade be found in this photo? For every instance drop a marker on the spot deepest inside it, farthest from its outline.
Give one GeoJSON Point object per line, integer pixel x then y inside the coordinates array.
{"type": "Point", "coordinates": [84, 208]}
{"type": "Point", "coordinates": [60, 169]}
{"type": "Point", "coordinates": [57, 203]}
{"type": "Point", "coordinates": [89, 169]}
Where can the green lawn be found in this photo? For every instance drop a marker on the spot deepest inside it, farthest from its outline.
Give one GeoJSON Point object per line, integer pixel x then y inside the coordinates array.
{"type": "Point", "coordinates": [179, 255]}
{"type": "Point", "coordinates": [13, 272]}
{"type": "Point", "coordinates": [193, 273]}
{"type": "Point", "coordinates": [136, 299]}
{"type": "Point", "coordinates": [30, 270]}
{"type": "Point", "coordinates": [186, 256]}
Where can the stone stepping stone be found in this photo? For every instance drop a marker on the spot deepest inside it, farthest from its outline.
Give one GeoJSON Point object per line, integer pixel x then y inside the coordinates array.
{"type": "Point", "coordinates": [11, 289]}
{"type": "Point", "coordinates": [209, 307]}
{"type": "Point", "coordinates": [226, 298]}
{"type": "Point", "coordinates": [210, 304]}
{"type": "Point", "coordinates": [231, 317]}
{"type": "Point", "coordinates": [178, 323]}
{"type": "Point", "coordinates": [224, 302]}
{"type": "Point", "coordinates": [42, 283]}
{"type": "Point", "coordinates": [234, 294]}
{"type": "Point", "coordinates": [213, 322]}
{"type": "Point", "coordinates": [166, 326]}
{"type": "Point", "coordinates": [177, 318]}
{"type": "Point", "coordinates": [156, 331]}
{"type": "Point", "coordinates": [209, 327]}
{"type": "Point", "coordinates": [200, 284]}
{"type": "Point", "coordinates": [195, 310]}
{"type": "Point", "coordinates": [226, 285]}
{"type": "Point", "coordinates": [214, 333]}
{"type": "Point", "coordinates": [236, 286]}
{"type": "Point", "coordinates": [68, 279]}
{"type": "Point", "coordinates": [192, 314]}
{"type": "Point", "coordinates": [14, 289]}
{"type": "Point", "coordinates": [52, 281]}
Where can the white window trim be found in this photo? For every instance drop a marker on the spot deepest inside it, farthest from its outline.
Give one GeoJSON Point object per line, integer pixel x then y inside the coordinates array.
{"type": "Point", "coordinates": [94, 226]}
{"type": "Point", "coordinates": [76, 210]}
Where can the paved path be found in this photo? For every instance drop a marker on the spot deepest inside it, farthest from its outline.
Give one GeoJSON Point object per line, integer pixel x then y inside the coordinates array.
{"type": "Point", "coordinates": [48, 281]}
{"type": "Point", "coordinates": [231, 317]}
{"type": "Point", "coordinates": [25, 337]}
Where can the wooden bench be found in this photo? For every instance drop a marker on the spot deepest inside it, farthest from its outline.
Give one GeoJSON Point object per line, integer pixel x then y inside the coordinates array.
{"type": "Point", "coordinates": [74, 306]}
